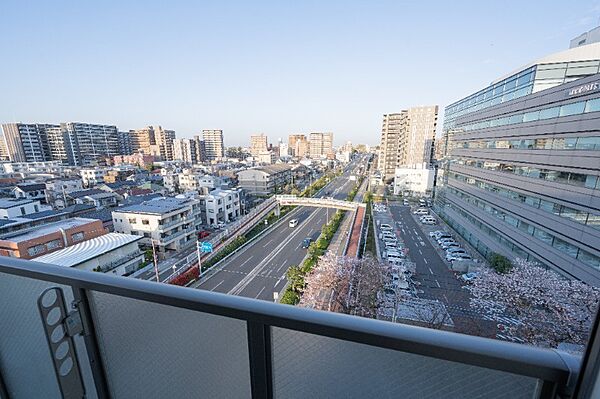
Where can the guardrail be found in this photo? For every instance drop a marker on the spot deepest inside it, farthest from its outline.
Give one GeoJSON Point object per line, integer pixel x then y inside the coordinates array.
{"type": "Point", "coordinates": [261, 346]}
{"type": "Point", "coordinates": [224, 238]}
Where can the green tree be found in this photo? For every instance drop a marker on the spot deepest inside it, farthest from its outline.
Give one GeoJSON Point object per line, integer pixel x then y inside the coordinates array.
{"type": "Point", "coordinates": [500, 263]}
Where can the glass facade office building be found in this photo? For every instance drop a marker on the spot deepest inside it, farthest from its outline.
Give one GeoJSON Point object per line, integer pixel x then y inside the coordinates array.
{"type": "Point", "coordinates": [521, 169]}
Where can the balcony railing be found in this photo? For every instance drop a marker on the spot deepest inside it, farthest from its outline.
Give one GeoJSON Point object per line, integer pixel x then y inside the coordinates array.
{"type": "Point", "coordinates": [150, 340]}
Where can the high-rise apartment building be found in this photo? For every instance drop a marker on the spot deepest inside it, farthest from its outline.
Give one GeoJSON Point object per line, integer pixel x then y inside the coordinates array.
{"type": "Point", "coordinates": [258, 144]}
{"type": "Point", "coordinates": [73, 143]}
{"type": "Point", "coordinates": [25, 142]}
{"type": "Point", "coordinates": [407, 139]}
{"type": "Point", "coordinates": [153, 140]}
{"type": "Point", "coordinates": [143, 140]}
{"type": "Point", "coordinates": [184, 150]}
{"type": "Point", "coordinates": [125, 144]}
{"type": "Point", "coordinates": [200, 149]}
{"type": "Point", "coordinates": [392, 132]}
{"type": "Point", "coordinates": [89, 143]}
{"type": "Point", "coordinates": [213, 144]}
{"type": "Point", "coordinates": [520, 175]}
{"type": "Point", "coordinates": [164, 140]}
{"type": "Point", "coordinates": [298, 145]}
{"type": "Point", "coordinates": [320, 144]}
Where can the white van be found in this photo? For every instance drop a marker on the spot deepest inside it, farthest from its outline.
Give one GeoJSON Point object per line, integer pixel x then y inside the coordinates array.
{"type": "Point", "coordinates": [293, 223]}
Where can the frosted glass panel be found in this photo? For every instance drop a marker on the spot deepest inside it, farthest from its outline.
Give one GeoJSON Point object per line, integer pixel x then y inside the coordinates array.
{"type": "Point", "coordinates": [156, 351]}
{"type": "Point", "coordinates": [25, 361]}
{"type": "Point", "coordinates": [311, 366]}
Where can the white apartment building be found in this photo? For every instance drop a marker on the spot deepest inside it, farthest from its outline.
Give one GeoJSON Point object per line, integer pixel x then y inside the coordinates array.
{"type": "Point", "coordinates": [93, 176]}
{"type": "Point", "coordinates": [258, 144]}
{"type": "Point", "coordinates": [415, 180]}
{"type": "Point", "coordinates": [266, 157]}
{"type": "Point", "coordinates": [284, 150]}
{"type": "Point", "coordinates": [170, 223]}
{"type": "Point", "coordinates": [220, 206]}
{"type": "Point", "coordinates": [265, 180]}
{"type": "Point", "coordinates": [213, 144]}
{"type": "Point", "coordinates": [184, 150]}
{"type": "Point", "coordinates": [320, 144]}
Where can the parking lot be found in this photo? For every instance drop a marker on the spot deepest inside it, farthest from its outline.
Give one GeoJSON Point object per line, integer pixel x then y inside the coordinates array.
{"type": "Point", "coordinates": [430, 276]}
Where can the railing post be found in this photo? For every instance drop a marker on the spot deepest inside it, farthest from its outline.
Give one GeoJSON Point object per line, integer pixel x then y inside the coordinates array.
{"type": "Point", "coordinates": [259, 351]}
{"type": "Point", "coordinates": [91, 343]}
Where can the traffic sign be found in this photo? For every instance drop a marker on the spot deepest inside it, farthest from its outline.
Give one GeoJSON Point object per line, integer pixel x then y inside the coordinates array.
{"type": "Point", "coordinates": [206, 246]}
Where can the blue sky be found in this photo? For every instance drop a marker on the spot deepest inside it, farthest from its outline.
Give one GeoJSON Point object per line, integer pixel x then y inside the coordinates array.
{"type": "Point", "coordinates": [264, 67]}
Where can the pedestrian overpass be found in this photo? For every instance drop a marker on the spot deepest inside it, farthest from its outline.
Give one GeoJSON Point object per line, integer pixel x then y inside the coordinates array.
{"type": "Point", "coordinates": [294, 200]}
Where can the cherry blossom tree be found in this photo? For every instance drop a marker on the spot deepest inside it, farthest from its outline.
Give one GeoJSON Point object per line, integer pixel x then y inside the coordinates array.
{"type": "Point", "coordinates": [544, 308]}
{"type": "Point", "coordinates": [344, 285]}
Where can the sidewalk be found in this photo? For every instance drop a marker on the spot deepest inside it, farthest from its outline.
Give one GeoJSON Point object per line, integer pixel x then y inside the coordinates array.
{"type": "Point", "coordinates": [338, 241]}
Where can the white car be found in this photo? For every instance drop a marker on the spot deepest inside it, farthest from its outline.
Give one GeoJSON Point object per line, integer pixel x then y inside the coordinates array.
{"type": "Point", "coordinates": [221, 225]}
{"type": "Point", "coordinates": [293, 223]}
{"type": "Point", "coordinates": [385, 227]}
{"type": "Point", "coordinates": [421, 211]}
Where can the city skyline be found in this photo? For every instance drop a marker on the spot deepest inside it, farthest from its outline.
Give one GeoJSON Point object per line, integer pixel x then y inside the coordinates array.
{"type": "Point", "coordinates": [313, 75]}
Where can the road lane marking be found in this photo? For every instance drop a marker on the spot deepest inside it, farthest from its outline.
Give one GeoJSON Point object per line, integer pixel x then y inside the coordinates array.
{"type": "Point", "coordinates": [425, 260]}
{"type": "Point", "coordinates": [270, 241]}
{"type": "Point", "coordinates": [239, 287]}
{"type": "Point", "coordinates": [438, 284]}
{"type": "Point", "coordinates": [216, 286]}
{"type": "Point", "coordinates": [430, 271]}
{"type": "Point", "coordinates": [420, 252]}
{"type": "Point", "coordinates": [260, 292]}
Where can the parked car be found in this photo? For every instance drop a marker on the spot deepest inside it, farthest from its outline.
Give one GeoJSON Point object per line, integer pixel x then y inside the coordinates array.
{"type": "Point", "coordinates": [221, 225]}
{"type": "Point", "coordinates": [203, 234]}
{"type": "Point", "coordinates": [444, 237]}
{"type": "Point", "coordinates": [421, 211]}
{"type": "Point", "coordinates": [385, 227]}
{"type": "Point", "coordinates": [405, 203]}
{"type": "Point", "coordinates": [468, 277]}
{"type": "Point", "coordinates": [306, 242]}
{"type": "Point", "coordinates": [387, 234]}
{"type": "Point", "coordinates": [436, 234]}
{"type": "Point", "coordinates": [450, 244]}
{"type": "Point", "coordinates": [293, 223]}
{"type": "Point", "coordinates": [452, 250]}
{"type": "Point", "coordinates": [456, 257]}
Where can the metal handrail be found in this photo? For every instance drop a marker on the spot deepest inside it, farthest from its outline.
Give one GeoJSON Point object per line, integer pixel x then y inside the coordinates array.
{"type": "Point", "coordinates": [551, 366]}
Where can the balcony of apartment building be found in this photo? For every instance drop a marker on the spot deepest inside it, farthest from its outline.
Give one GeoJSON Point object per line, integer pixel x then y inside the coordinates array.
{"type": "Point", "coordinates": [68, 333]}
{"type": "Point", "coordinates": [170, 222]}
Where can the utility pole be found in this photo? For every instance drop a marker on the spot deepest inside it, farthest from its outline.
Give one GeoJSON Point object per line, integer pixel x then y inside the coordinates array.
{"type": "Point", "coordinates": [199, 258]}
{"type": "Point", "coordinates": [155, 261]}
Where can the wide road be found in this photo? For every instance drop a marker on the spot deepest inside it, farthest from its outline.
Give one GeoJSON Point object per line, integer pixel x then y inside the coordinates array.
{"type": "Point", "coordinates": [258, 270]}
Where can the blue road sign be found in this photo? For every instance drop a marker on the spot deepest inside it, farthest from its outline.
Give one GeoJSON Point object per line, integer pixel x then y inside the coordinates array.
{"type": "Point", "coordinates": [206, 246]}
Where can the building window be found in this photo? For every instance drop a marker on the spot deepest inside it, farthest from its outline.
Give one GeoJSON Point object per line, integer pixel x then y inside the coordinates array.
{"type": "Point", "coordinates": [77, 236]}
{"type": "Point", "coordinates": [131, 220]}
{"type": "Point", "coordinates": [53, 244]}
{"type": "Point", "coordinates": [36, 250]}
{"type": "Point", "coordinates": [145, 221]}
